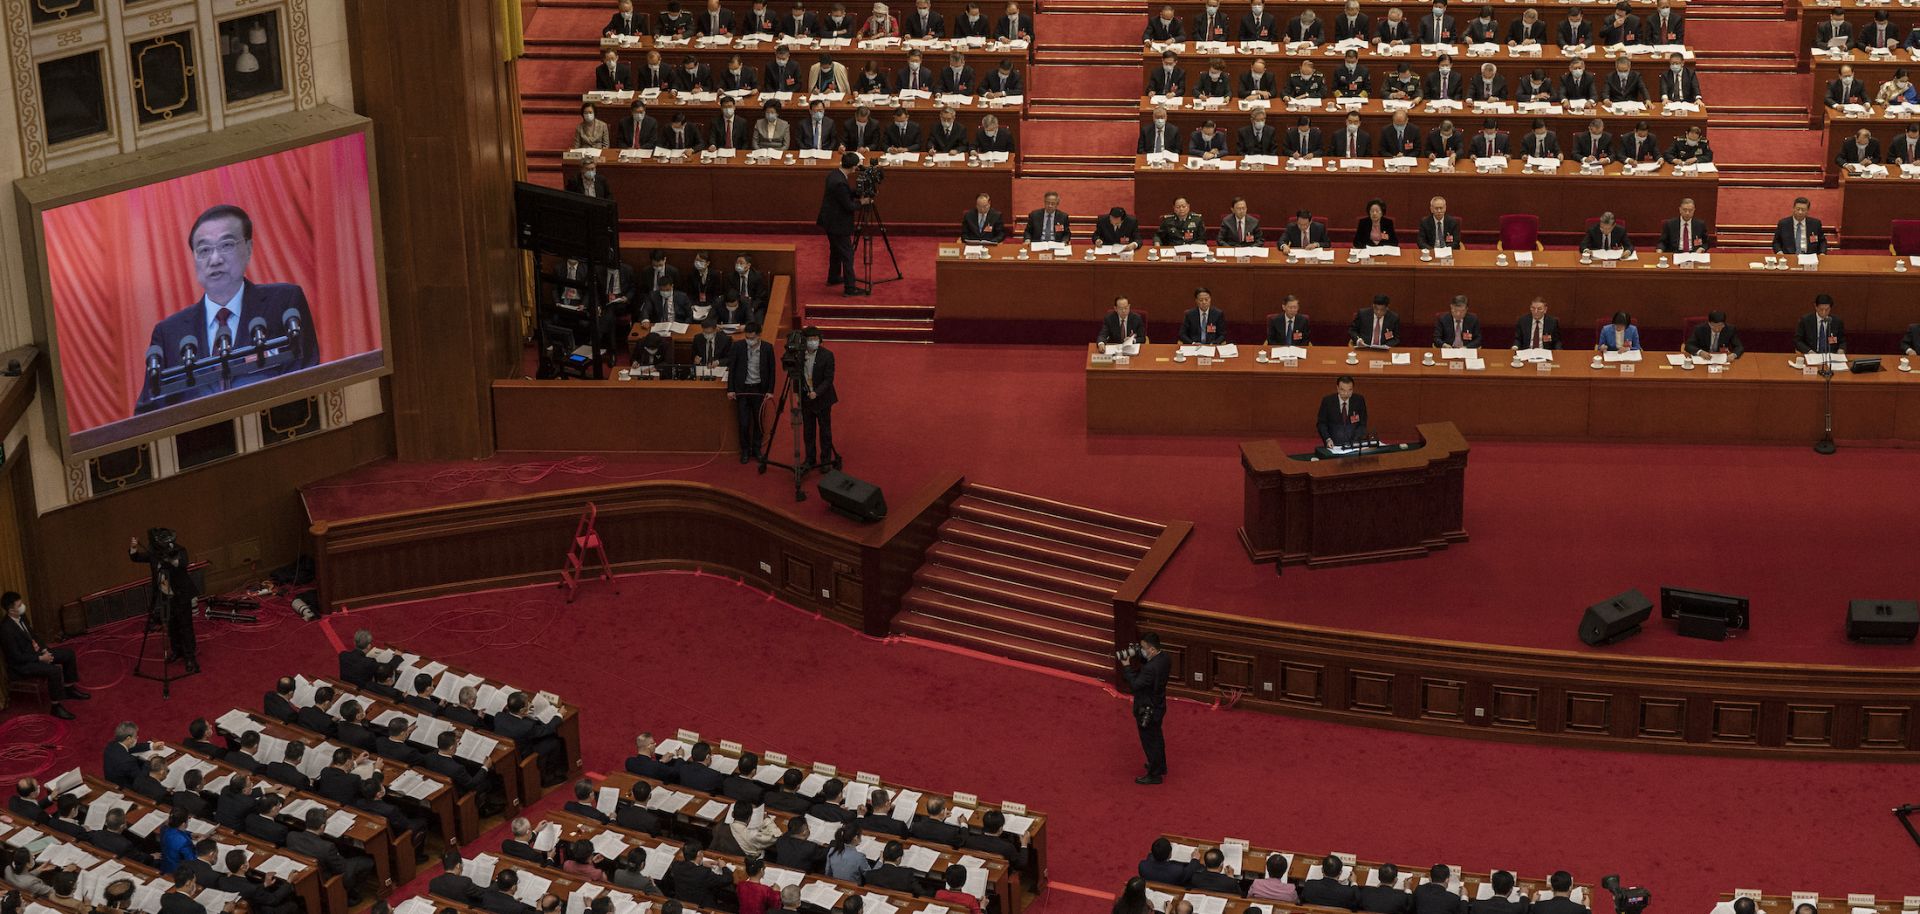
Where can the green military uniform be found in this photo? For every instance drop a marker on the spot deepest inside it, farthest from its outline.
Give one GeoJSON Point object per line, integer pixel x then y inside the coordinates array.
{"type": "Point", "coordinates": [1182, 230]}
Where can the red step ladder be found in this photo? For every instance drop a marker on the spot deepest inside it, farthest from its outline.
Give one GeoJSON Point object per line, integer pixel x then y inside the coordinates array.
{"type": "Point", "coordinates": [585, 540]}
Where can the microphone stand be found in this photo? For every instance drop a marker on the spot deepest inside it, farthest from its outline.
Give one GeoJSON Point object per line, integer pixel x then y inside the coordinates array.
{"type": "Point", "coordinates": [1825, 445]}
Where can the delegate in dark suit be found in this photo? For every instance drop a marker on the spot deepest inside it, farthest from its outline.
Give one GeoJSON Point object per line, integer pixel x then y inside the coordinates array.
{"type": "Point", "coordinates": [1038, 221]}
{"type": "Point", "coordinates": [1613, 238]}
{"type": "Point", "coordinates": [1111, 332]}
{"type": "Point", "coordinates": [272, 307]}
{"type": "Point", "coordinates": [1323, 891]}
{"type": "Point", "coordinates": [747, 387]}
{"type": "Point", "coordinates": [1198, 329]}
{"type": "Point", "coordinates": [1288, 331]}
{"type": "Point", "coordinates": [23, 651]}
{"type": "Point", "coordinates": [1498, 905]}
{"type": "Point", "coordinates": [983, 228]}
{"type": "Point", "coordinates": [1807, 336]}
{"type": "Point", "coordinates": [817, 398]}
{"type": "Point", "coordinates": [1342, 425]}
{"type": "Point", "coordinates": [1434, 898]}
{"type": "Point", "coordinates": [1165, 138]}
{"type": "Point", "coordinates": [1788, 238]}
{"type": "Point", "coordinates": [1384, 899]}
{"type": "Point", "coordinates": [1557, 905]}
{"type": "Point", "coordinates": [1468, 337]}
{"type": "Point", "coordinates": [1704, 339]}
{"type": "Point", "coordinates": [1697, 237]}
{"type": "Point", "coordinates": [1546, 337]}
{"type": "Point", "coordinates": [1441, 234]}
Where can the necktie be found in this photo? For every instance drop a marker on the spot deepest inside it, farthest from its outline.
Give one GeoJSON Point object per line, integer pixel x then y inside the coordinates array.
{"type": "Point", "coordinates": [1343, 409]}
{"type": "Point", "coordinates": [1800, 247]}
{"type": "Point", "coordinates": [1822, 341]}
{"type": "Point", "coordinates": [1443, 84]}
{"type": "Point", "coordinates": [1606, 240]}
{"type": "Point", "coordinates": [1713, 342]}
{"type": "Point", "coordinates": [1048, 226]}
{"type": "Point", "coordinates": [1287, 336]}
{"type": "Point", "coordinates": [716, 23]}
{"type": "Point", "coordinates": [1242, 231]}
{"type": "Point", "coordinates": [913, 78]}
{"type": "Point", "coordinates": [1376, 342]}
{"type": "Point", "coordinates": [1159, 140]}
{"type": "Point", "coordinates": [220, 319]}
{"type": "Point", "coordinates": [1456, 334]}
{"type": "Point", "coordinates": [1351, 140]}
{"type": "Point", "coordinates": [1686, 236]}
{"type": "Point", "coordinates": [1536, 334]}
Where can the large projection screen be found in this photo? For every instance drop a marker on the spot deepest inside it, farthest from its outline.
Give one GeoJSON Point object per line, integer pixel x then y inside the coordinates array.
{"type": "Point", "coordinates": [207, 278]}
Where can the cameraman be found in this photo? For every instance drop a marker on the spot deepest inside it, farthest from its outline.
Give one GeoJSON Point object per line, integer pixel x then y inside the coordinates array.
{"type": "Point", "coordinates": [836, 219]}
{"type": "Point", "coordinates": [1148, 683]}
{"type": "Point", "coordinates": [173, 591]}
{"type": "Point", "coordinates": [817, 399]}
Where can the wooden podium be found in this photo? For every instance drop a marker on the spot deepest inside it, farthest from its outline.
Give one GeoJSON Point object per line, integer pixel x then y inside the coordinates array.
{"type": "Point", "coordinates": [1343, 510]}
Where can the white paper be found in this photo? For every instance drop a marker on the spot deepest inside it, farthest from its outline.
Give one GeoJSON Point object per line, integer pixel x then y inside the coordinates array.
{"type": "Point", "coordinates": [1403, 358]}
{"type": "Point", "coordinates": [1449, 353]}
{"type": "Point", "coordinates": [1606, 255]}
{"type": "Point", "coordinates": [1440, 253]}
{"type": "Point", "coordinates": [1356, 164]}
{"type": "Point", "coordinates": [905, 804]}
{"type": "Point", "coordinates": [1701, 258]}
{"type": "Point", "coordinates": [1806, 260]}
{"type": "Point", "coordinates": [822, 894]}
{"type": "Point", "coordinates": [475, 748]}
{"type": "Point", "coordinates": [1385, 250]}
{"type": "Point", "coordinates": [338, 823]}
{"type": "Point", "coordinates": [1629, 355]}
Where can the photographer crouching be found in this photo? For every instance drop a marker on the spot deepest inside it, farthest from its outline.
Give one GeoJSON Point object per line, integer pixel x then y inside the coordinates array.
{"type": "Point", "coordinates": [837, 209]}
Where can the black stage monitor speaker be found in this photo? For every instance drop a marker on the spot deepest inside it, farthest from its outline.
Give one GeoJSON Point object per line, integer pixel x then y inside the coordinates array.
{"type": "Point", "coordinates": [1613, 620]}
{"type": "Point", "coordinates": [854, 498]}
{"type": "Point", "coordinates": [1883, 621]}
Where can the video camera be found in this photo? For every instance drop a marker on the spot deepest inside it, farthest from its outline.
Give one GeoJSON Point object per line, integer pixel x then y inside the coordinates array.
{"type": "Point", "coordinates": [796, 350]}
{"type": "Point", "coordinates": [867, 180]}
{"type": "Point", "coordinates": [1627, 900]}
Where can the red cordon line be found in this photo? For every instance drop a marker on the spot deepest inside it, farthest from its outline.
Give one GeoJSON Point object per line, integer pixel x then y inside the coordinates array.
{"type": "Point", "coordinates": [326, 625]}
{"type": "Point", "coordinates": [1079, 890]}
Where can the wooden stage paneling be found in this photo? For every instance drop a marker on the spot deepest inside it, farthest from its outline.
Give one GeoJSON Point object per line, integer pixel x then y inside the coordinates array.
{"type": "Point", "coordinates": [855, 576]}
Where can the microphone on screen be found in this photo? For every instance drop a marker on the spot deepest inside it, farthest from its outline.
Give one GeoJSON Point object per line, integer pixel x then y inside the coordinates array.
{"type": "Point", "coordinates": [223, 343]}
{"type": "Point", "coordinates": [189, 348]}
{"type": "Point", "coordinates": [154, 360]}
{"type": "Point", "coordinates": [290, 319]}
{"type": "Point", "coordinates": [257, 331]}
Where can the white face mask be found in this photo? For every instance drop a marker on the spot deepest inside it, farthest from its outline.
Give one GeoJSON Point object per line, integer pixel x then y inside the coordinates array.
{"type": "Point", "coordinates": [1445, 69]}
{"type": "Point", "coordinates": [587, 175]}
{"type": "Point", "coordinates": [813, 345]}
{"type": "Point", "coordinates": [1159, 122]}
{"type": "Point", "coordinates": [739, 268]}
{"type": "Point", "coordinates": [1675, 68]}
{"type": "Point", "coordinates": [699, 264]}
{"type": "Point", "coordinates": [588, 117]}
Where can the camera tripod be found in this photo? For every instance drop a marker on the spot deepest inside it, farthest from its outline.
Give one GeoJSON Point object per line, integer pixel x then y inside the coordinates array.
{"type": "Point", "coordinates": [867, 225]}
{"type": "Point", "coordinates": [789, 390]}
{"type": "Point", "coordinates": [159, 620]}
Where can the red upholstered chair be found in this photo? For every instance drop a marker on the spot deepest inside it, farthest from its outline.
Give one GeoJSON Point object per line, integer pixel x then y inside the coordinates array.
{"type": "Point", "coordinates": [1690, 323]}
{"type": "Point", "coordinates": [1519, 232]}
{"type": "Point", "coordinates": [1906, 238]}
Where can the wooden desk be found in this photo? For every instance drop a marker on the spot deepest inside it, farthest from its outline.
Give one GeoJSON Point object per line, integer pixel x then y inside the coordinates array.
{"type": "Point", "coordinates": [1760, 400]}
{"type": "Point", "coordinates": [1770, 903]}
{"type": "Point", "coordinates": [925, 112]}
{"type": "Point", "coordinates": [854, 57]}
{"type": "Point", "coordinates": [503, 761]}
{"type": "Point", "coordinates": [1000, 875]}
{"type": "Point", "coordinates": [615, 415]}
{"type": "Point", "coordinates": [1301, 865]}
{"type": "Point", "coordinates": [736, 193]}
{"type": "Point", "coordinates": [455, 816]}
{"type": "Point", "coordinates": [1564, 201]}
{"type": "Point", "coordinates": [318, 892]}
{"type": "Point", "coordinates": [1839, 129]}
{"type": "Point", "coordinates": [1003, 299]}
{"type": "Point", "coordinates": [1347, 510]}
{"type": "Point", "coordinates": [1512, 67]}
{"type": "Point", "coordinates": [1035, 839]}
{"type": "Point", "coordinates": [1551, 11]}
{"type": "Point", "coordinates": [1871, 72]}
{"type": "Point", "coordinates": [1868, 207]}
{"type": "Point", "coordinates": [567, 724]}
{"type": "Point", "coordinates": [1811, 13]}
{"type": "Point", "coordinates": [392, 854]}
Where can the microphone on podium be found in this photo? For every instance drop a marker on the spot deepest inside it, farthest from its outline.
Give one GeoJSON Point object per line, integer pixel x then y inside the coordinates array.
{"type": "Point", "coordinates": [189, 348]}
{"type": "Point", "coordinates": [155, 358]}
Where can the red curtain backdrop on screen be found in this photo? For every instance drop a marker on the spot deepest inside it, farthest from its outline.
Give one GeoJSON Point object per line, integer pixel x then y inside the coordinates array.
{"type": "Point", "coordinates": [120, 263]}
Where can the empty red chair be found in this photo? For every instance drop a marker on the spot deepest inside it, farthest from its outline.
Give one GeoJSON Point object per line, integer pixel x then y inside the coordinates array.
{"type": "Point", "coordinates": [1906, 238]}
{"type": "Point", "coordinates": [1520, 232]}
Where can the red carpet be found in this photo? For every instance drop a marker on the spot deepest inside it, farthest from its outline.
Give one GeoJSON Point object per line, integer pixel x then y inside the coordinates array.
{"type": "Point", "coordinates": [1540, 515]}
{"type": "Point", "coordinates": [712, 656]}
{"type": "Point", "coordinates": [1742, 35]}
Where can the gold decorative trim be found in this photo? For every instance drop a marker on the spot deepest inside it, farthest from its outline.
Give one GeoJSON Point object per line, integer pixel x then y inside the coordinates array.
{"type": "Point", "coordinates": [119, 482]}
{"type": "Point", "coordinates": [56, 9]}
{"type": "Point", "coordinates": [26, 93]}
{"type": "Point", "coordinates": [77, 488]}
{"type": "Point", "coordinates": [187, 71]}
{"type": "Point", "coordinates": [336, 414]}
{"type": "Point", "coordinates": [300, 38]}
{"type": "Point", "coordinates": [306, 416]}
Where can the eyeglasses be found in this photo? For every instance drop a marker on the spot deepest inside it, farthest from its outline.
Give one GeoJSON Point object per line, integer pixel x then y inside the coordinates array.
{"type": "Point", "coordinates": [225, 249]}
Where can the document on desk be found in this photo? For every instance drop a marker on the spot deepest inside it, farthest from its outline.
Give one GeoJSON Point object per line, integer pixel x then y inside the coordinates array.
{"type": "Point", "coordinates": [1449, 353]}
{"type": "Point", "coordinates": [1403, 358]}
{"type": "Point", "coordinates": [874, 903]}
{"type": "Point", "coordinates": [1523, 258]}
{"type": "Point", "coordinates": [607, 844]}
{"type": "Point", "coordinates": [1440, 253]}
{"type": "Point", "coordinates": [905, 804]}
{"type": "Point", "coordinates": [1280, 353]}
{"type": "Point", "coordinates": [769, 774]}
{"type": "Point", "coordinates": [1383, 250]}
{"type": "Point", "coordinates": [1260, 160]}
{"type": "Point", "coordinates": [668, 801]}
{"type": "Point", "coordinates": [1607, 255]}
{"type": "Point", "coordinates": [1703, 258]}
{"type": "Point", "coordinates": [338, 823]}
{"type": "Point", "coordinates": [1206, 904]}
{"type": "Point", "coordinates": [1807, 260]}
{"type": "Point", "coordinates": [976, 875]}
{"type": "Point", "coordinates": [1121, 349]}
{"type": "Point", "coordinates": [1205, 352]}
{"type": "Point", "coordinates": [1630, 355]}
{"type": "Point", "coordinates": [237, 722]}
{"type": "Point", "coordinates": [475, 748]}
{"type": "Point", "coordinates": [920, 858]}
{"type": "Point", "coordinates": [821, 894]}
{"type": "Point", "coordinates": [1162, 158]}
{"type": "Point", "coordinates": [1226, 351]}
{"type": "Point", "coordinates": [1158, 900]}
{"type": "Point", "coordinates": [780, 877]}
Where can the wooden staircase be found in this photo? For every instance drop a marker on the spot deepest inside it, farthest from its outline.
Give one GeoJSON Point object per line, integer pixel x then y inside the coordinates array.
{"type": "Point", "coordinates": [1031, 579]}
{"type": "Point", "coordinates": [872, 323]}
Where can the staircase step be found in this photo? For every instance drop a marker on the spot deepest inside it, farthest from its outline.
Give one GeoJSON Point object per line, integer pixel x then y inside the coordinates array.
{"type": "Point", "coordinates": [999, 592]}
{"type": "Point", "coordinates": [1144, 528]}
{"type": "Point", "coordinates": [1007, 567]}
{"type": "Point", "coordinates": [993, 617]}
{"type": "Point", "coordinates": [1003, 645]}
{"type": "Point", "coordinates": [965, 532]}
{"type": "Point", "coordinates": [1046, 525]}
{"type": "Point", "coordinates": [867, 311]}
{"type": "Point", "coordinates": [875, 331]}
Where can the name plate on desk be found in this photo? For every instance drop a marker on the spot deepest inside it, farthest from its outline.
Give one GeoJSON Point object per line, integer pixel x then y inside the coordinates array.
{"type": "Point", "coordinates": [949, 250]}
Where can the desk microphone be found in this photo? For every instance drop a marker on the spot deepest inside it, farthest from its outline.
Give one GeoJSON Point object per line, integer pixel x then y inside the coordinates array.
{"type": "Point", "coordinates": [154, 359]}
{"type": "Point", "coordinates": [290, 319]}
{"type": "Point", "coordinates": [223, 344]}
{"type": "Point", "coordinates": [257, 335]}
{"type": "Point", "coordinates": [189, 348]}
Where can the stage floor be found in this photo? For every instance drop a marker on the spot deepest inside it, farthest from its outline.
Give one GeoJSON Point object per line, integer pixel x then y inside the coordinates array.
{"type": "Point", "coordinates": [1554, 527]}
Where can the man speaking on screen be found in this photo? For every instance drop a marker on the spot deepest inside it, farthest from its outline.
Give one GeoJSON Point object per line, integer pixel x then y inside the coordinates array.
{"type": "Point", "coordinates": [231, 313]}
